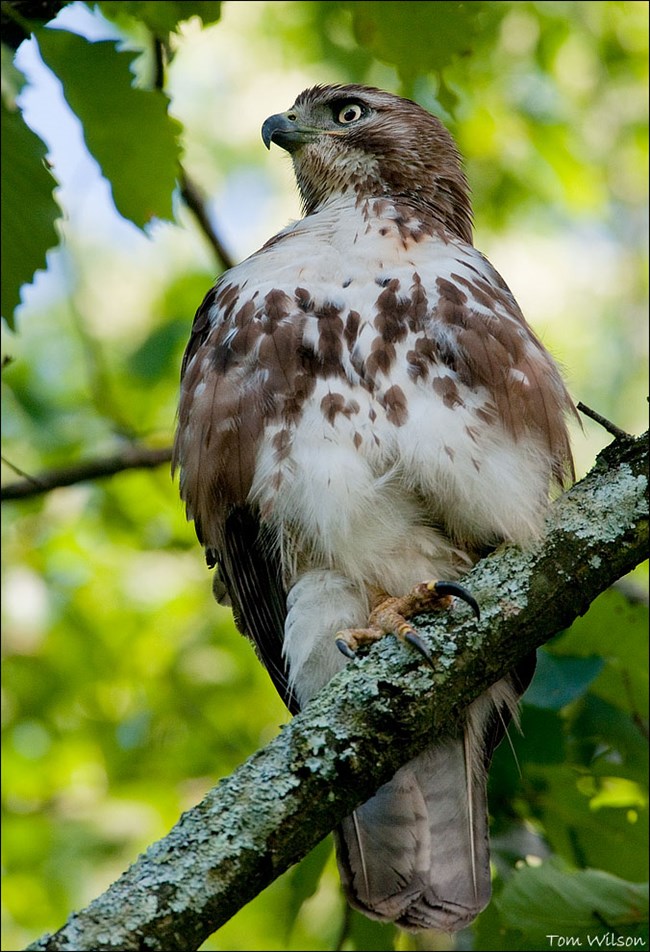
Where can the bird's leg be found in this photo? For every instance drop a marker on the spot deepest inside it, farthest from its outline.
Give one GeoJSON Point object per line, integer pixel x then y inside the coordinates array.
{"type": "Point", "coordinates": [389, 613]}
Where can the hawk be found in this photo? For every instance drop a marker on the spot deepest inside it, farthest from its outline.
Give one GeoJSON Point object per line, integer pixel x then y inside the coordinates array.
{"type": "Point", "coordinates": [364, 410]}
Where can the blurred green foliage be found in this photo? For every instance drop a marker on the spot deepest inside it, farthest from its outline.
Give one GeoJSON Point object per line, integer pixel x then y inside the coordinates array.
{"type": "Point", "coordinates": [127, 691]}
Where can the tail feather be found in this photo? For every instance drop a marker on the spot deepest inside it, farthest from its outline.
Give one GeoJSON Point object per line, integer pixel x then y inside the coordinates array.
{"type": "Point", "coordinates": [417, 853]}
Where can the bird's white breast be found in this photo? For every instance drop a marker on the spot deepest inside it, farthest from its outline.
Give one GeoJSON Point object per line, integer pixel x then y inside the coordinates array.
{"type": "Point", "coordinates": [367, 483]}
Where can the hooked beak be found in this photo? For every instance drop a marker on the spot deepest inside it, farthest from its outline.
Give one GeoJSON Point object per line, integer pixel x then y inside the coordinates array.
{"type": "Point", "coordinates": [286, 132]}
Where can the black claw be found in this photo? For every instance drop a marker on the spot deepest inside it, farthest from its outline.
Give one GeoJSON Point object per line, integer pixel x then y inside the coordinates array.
{"type": "Point", "coordinates": [344, 648]}
{"type": "Point", "coordinates": [453, 588]}
{"type": "Point", "coordinates": [414, 639]}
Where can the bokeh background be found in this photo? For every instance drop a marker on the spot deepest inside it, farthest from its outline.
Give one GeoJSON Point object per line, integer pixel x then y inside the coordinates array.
{"type": "Point", "coordinates": [127, 691]}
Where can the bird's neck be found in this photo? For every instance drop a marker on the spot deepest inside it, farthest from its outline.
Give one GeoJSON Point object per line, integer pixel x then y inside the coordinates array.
{"type": "Point", "coordinates": [409, 214]}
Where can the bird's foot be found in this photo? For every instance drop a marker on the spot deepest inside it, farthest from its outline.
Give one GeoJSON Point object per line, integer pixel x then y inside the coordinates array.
{"type": "Point", "coordinates": [390, 613]}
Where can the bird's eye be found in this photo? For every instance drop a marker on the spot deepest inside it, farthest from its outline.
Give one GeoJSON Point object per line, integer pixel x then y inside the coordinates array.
{"type": "Point", "coordinates": [349, 113]}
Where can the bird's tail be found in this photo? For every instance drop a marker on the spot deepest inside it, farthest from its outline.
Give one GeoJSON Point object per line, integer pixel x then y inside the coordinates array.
{"type": "Point", "coordinates": [417, 853]}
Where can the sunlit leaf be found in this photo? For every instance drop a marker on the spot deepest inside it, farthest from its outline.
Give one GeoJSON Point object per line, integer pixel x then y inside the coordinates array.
{"type": "Point", "coordinates": [553, 899]}
{"type": "Point", "coordinates": [127, 130]}
{"type": "Point", "coordinates": [163, 18]}
{"type": "Point", "coordinates": [605, 738]}
{"type": "Point", "coordinates": [304, 879]}
{"type": "Point", "coordinates": [416, 37]}
{"type": "Point", "coordinates": [605, 838]}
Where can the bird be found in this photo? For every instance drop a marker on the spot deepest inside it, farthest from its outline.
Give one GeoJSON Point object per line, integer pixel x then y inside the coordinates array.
{"type": "Point", "coordinates": [364, 414]}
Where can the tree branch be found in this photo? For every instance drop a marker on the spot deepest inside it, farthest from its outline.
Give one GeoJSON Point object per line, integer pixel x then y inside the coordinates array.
{"type": "Point", "coordinates": [196, 203]}
{"type": "Point", "coordinates": [616, 431]}
{"type": "Point", "coordinates": [19, 17]}
{"type": "Point", "coordinates": [374, 716]}
{"type": "Point", "coordinates": [132, 457]}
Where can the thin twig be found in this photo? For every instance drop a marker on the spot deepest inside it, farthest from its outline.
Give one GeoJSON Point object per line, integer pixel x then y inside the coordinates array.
{"type": "Point", "coordinates": [195, 202]}
{"type": "Point", "coordinates": [21, 472]}
{"type": "Point", "coordinates": [189, 191]}
{"type": "Point", "coordinates": [604, 422]}
{"type": "Point", "coordinates": [159, 59]}
{"type": "Point", "coordinates": [132, 457]}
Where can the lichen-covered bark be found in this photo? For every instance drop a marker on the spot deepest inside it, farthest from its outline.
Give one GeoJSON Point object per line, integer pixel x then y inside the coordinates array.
{"type": "Point", "coordinates": [372, 718]}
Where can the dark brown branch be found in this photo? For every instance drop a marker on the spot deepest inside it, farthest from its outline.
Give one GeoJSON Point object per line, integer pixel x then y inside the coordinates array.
{"type": "Point", "coordinates": [190, 192]}
{"type": "Point", "coordinates": [19, 17]}
{"type": "Point", "coordinates": [132, 457]}
{"type": "Point", "coordinates": [378, 713]}
{"type": "Point", "coordinates": [159, 60]}
{"type": "Point", "coordinates": [196, 203]}
{"type": "Point", "coordinates": [616, 431]}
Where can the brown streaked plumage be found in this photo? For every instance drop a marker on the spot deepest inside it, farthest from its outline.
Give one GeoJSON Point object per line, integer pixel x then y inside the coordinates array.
{"type": "Point", "coordinates": [363, 408]}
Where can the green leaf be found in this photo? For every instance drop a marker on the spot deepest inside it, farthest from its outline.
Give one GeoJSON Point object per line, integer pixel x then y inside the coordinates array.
{"type": "Point", "coordinates": [12, 78]}
{"type": "Point", "coordinates": [28, 209]}
{"type": "Point", "coordinates": [615, 628]}
{"type": "Point", "coordinates": [127, 130]}
{"type": "Point", "coordinates": [608, 741]}
{"type": "Point", "coordinates": [162, 18]}
{"type": "Point", "coordinates": [367, 935]}
{"type": "Point", "coordinates": [558, 681]}
{"type": "Point", "coordinates": [305, 878]}
{"type": "Point", "coordinates": [416, 37]}
{"type": "Point", "coordinates": [542, 738]}
{"type": "Point", "coordinates": [553, 899]}
{"type": "Point", "coordinates": [564, 801]}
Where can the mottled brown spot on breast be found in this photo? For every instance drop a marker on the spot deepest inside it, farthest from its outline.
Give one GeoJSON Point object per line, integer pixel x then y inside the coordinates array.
{"type": "Point", "coordinates": [448, 391]}
{"type": "Point", "coordinates": [394, 402]}
{"type": "Point", "coordinates": [414, 224]}
{"type": "Point", "coordinates": [277, 305]}
{"type": "Point", "coordinates": [417, 311]}
{"type": "Point", "coordinates": [424, 356]}
{"type": "Point", "coordinates": [281, 443]}
{"type": "Point", "coordinates": [334, 403]}
{"type": "Point", "coordinates": [380, 358]}
{"type": "Point", "coordinates": [276, 355]}
{"type": "Point", "coordinates": [303, 299]}
{"type": "Point", "coordinates": [233, 343]}
{"type": "Point", "coordinates": [352, 328]}
{"type": "Point", "coordinates": [391, 319]}
{"type": "Point", "coordinates": [330, 340]}
{"type": "Point", "coordinates": [427, 349]}
{"type": "Point", "coordinates": [417, 368]}
{"type": "Point", "coordinates": [245, 314]}
{"type": "Point", "coordinates": [303, 387]}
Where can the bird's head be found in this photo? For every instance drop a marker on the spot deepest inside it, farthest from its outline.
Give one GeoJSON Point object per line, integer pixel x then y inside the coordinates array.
{"type": "Point", "coordinates": [368, 143]}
